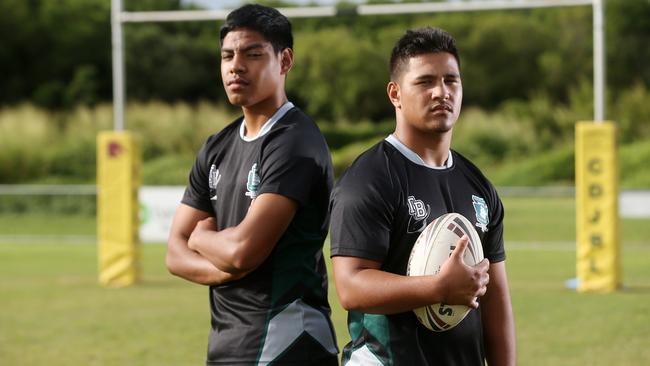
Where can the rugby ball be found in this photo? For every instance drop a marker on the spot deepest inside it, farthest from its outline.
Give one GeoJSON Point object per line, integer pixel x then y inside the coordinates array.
{"type": "Point", "coordinates": [432, 248]}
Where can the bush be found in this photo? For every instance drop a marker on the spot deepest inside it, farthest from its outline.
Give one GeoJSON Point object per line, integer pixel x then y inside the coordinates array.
{"type": "Point", "coordinates": [342, 134]}
{"type": "Point", "coordinates": [36, 145]}
{"type": "Point", "coordinates": [488, 138]}
{"type": "Point", "coordinates": [519, 144]}
{"type": "Point", "coordinates": [632, 114]}
{"type": "Point", "coordinates": [555, 167]}
{"type": "Point", "coordinates": [167, 170]}
{"type": "Point", "coordinates": [50, 204]}
{"type": "Point", "coordinates": [633, 160]}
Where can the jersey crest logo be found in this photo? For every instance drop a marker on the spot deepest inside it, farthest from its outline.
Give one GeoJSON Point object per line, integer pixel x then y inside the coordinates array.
{"type": "Point", "coordinates": [481, 211]}
{"type": "Point", "coordinates": [213, 179]}
{"type": "Point", "coordinates": [253, 182]}
{"type": "Point", "coordinates": [419, 213]}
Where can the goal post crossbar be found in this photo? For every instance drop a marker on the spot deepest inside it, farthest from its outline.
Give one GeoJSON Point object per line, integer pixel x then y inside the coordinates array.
{"type": "Point", "coordinates": [119, 17]}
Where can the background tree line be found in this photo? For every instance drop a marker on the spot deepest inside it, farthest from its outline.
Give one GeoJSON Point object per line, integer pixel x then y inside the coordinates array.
{"type": "Point", "coordinates": [527, 77]}
{"type": "Point", "coordinates": [57, 54]}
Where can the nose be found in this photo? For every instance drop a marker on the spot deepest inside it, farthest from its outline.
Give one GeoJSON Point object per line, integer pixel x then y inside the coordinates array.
{"type": "Point", "coordinates": [237, 65]}
{"type": "Point", "coordinates": [440, 91]}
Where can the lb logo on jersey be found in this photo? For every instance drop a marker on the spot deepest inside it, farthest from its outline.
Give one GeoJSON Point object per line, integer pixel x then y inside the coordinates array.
{"type": "Point", "coordinates": [253, 182]}
{"type": "Point", "coordinates": [419, 213]}
{"type": "Point", "coordinates": [213, 179]}
{"type": "Point", "coordinates": [481, 211]}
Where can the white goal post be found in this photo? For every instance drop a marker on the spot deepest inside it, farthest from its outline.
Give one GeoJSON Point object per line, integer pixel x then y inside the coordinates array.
{"type": "Point", "coordinates": [119, 17]}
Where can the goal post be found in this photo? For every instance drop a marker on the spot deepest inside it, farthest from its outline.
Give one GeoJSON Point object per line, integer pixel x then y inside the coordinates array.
{"type": "Point", "coordinates": [583, 132]}
{"type": "Point", "coordinates": [118, 180]}
{"type": "Point", "coordinates": [597, 222]}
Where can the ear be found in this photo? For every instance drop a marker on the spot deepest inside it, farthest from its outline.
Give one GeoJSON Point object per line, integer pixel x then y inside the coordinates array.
{"type": "Point", "coordinates": [286, 60]}
{"type": "Point", "coordinates": [394, 94]}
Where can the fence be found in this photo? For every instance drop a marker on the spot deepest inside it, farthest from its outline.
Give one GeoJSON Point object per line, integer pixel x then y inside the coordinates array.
{"type": "Point", "coordinates": [66, 213]}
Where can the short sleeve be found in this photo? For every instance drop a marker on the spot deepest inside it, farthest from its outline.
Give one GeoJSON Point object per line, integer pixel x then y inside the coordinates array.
{"type": "Point", "coordinates": [197, 192]}
{"type": "Point", "coordinates": [290, 167]}
{"type": "Point", "coordinates": [361, 216]}
{"type": "Point", "coordinates": [493, 243]}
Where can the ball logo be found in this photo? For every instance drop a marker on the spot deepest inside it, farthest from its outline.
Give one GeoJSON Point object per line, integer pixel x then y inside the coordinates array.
{"type": "Point", "coordinates": [445, 310]}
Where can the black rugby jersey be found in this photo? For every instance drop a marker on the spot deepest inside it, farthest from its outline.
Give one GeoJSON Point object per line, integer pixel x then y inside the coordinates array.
{"type": "Point", "coordinates": [378, 208]}
{"type": "Point", "coordinates": [278, 314]}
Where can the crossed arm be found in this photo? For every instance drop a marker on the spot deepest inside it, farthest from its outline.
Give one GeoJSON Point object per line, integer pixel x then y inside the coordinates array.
{"type": "Point", "coordinates": [199, 253]}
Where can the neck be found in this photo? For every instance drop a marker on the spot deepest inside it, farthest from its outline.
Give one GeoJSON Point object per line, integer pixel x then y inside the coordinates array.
{"type": "Point", "coordinates": [432, 147]}
{"type": "Point", "coordinates": [256, 115]}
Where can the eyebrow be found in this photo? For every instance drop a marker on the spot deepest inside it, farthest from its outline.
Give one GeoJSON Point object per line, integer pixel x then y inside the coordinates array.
{"type": "Point", "coordinates": [249, 47]}
{"type": "Point", "coordinates": [432, 76]}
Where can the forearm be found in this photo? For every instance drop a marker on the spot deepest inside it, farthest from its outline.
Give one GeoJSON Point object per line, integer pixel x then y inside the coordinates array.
{"type": "Point", "coordinates": [190, 265]}
{"type": "Point", "coordinates": [500, 339]}
{"type": "Point", "coordinates": [379, 292]}
{"type": "Point", "coordinates": [498, 322]}
{"type": "Point", "coordinates": [222, 249]}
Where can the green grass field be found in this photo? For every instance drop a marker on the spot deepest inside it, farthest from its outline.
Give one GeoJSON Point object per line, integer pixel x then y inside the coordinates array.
{"type": "Point", "coordinates": [53, 312]}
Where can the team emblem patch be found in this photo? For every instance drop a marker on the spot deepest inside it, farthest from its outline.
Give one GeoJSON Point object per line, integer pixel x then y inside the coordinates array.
{"type": "Point", "coordinates": [481, 210]}
{"type": "Point", "coordinates": [253, 182]}
{"type": "Point", "coordinates": [213, 179]}
{"type": "Point", "coordinates": [419, 212]}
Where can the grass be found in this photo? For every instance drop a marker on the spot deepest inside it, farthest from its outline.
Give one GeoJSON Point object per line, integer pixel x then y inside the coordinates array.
{"type": "Point", "coordinates": [52, 310]}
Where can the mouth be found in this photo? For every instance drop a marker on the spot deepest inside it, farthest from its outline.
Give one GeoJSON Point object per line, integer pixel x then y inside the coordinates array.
{"type": "Point", "coordinates": [237, 83]}
{"type": "Point", "coordinates": [442, 108]}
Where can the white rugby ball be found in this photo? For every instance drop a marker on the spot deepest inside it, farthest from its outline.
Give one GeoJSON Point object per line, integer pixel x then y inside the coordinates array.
{"type": "Point", "coordinates": [432, 248]}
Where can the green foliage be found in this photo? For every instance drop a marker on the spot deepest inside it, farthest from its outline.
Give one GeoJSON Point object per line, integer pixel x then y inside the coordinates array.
{"type": "Point", "coordinates": [323, 80]}
{"type": "Point", "coordinates": [628, 30]}
{"type": "Point", "coordinates": [173, 64]}
{"type": "Point", "coordinates": [167, 170]}
{"type": "Point", "coordinates": [557, 166]}
{"type": "Point", "coordinates": [500, 55]}
{"type": "Point", "coordinates": [519, 143]}
{"type": "Point", "coordinates": [633, 159]}
{"type": "Point", "coordinates": [632, 113]}
{"type": "Point", "coordinates": [54, 51]}
{"type": "Point", "coordinates": [57, 55]}
{"type": "Point", "coordinates": [341, 134]}
{"type": "Point", "coordinates": [54, 205]}
{"type": "Point", "coordinates": [488, 138]}
{"type": "Point", "coordinates": [37, 145]}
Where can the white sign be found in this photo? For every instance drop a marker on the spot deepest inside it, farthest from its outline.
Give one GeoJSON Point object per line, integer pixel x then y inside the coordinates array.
{"type": "Point", "coordinates": [157, 207]}
{"type": "Point", "coordinates": [634, 204]}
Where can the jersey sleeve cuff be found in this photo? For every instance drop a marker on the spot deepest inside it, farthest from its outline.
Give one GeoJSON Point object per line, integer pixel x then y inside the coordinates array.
{"type": "Point", "coordinates": [199, 205]}
{"type": "Point", "coordinates": [354, 252]}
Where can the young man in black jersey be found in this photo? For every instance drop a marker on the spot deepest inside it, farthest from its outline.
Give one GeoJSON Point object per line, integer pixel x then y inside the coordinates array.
{"type": "Point", "coordinates": [253, 218]}
{"type": "Point", "coordinates": [385, 199]}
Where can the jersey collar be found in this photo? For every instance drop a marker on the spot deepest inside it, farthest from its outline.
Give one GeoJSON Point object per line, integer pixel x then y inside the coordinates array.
{"type": "Point", "coordinates": [415, 158]}
{"type": "Point", "coordinates": [267, 125]}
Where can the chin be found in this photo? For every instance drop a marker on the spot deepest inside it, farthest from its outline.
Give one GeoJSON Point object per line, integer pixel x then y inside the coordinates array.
{"type": "Point", "coordinates": [439, 127]}
{"type": "Point", "coordinates": [237, 101]}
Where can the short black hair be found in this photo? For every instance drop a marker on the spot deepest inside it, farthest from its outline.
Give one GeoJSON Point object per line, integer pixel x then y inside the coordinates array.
{"type": "Point", "coordinates": [417, 42]}
{"type": "Point", "coordinates": [274, 26]}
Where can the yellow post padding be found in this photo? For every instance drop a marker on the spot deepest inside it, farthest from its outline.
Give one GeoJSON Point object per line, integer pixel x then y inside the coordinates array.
{"type": "Point", "coordinates": [597, 221]}
{"type": "Point", "coordinates": [118, 180]}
